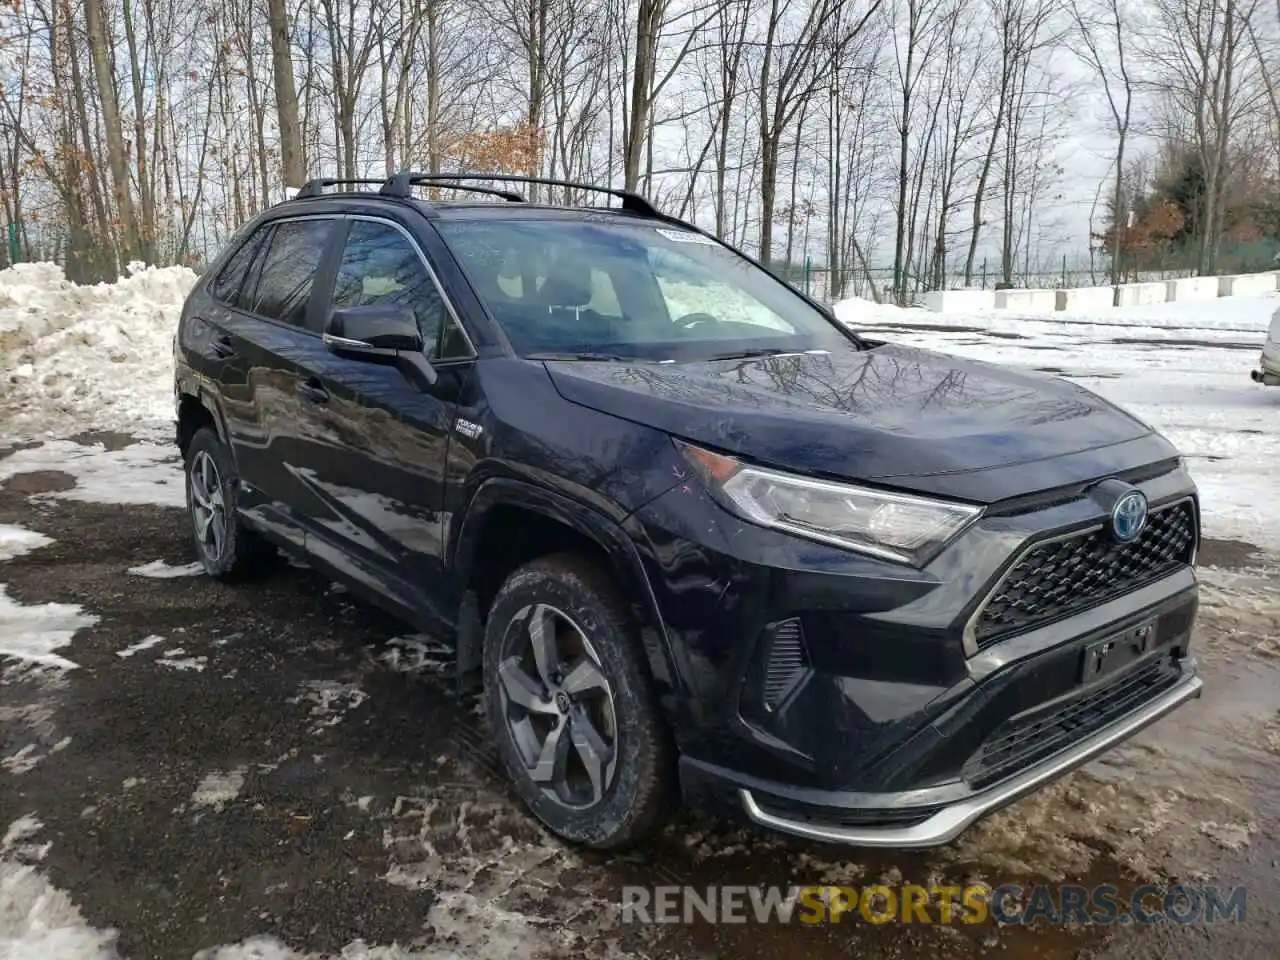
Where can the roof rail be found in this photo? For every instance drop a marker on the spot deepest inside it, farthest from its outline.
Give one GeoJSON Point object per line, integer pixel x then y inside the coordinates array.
{"type": "Point", "coordinates": [631, 202]}
{"type": "Point", "coordinates": [400, 184]}
{"type": "Point", "coordinates": [315, 187]}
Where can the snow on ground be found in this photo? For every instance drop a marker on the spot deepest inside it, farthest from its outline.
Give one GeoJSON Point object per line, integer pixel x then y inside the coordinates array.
{"type": "Point", "coordinates": [146, 643]}
{"type": "Point", "coordinates": [159, 570]}
{"type": "Point", "coordinates": [30, 633]}
{"type": "Point", "coordinates": [105, 350]}
{"type": "Point", "coordinates": [1181, 367]}
{"type": "Point", "coordinates": [15, 541]}
{"type": "Point", "coordinates": [38, 921]}
{"type": "Point", "coordinates": [140, 473]}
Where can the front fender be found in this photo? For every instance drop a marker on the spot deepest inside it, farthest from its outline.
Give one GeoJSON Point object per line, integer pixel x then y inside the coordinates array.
{"type": "Point", "coordinates": [603, 531]}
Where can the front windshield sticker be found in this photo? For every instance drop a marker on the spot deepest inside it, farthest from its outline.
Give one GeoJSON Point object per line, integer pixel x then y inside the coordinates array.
{"type": "Point", "coordinates": [686, 236]}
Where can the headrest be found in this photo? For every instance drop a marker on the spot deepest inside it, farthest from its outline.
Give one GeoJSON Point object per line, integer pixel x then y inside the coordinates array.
{"type": "Point", "coordinates": [566, 285]}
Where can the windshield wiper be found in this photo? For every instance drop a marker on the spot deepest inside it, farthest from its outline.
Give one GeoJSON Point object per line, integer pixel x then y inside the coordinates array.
{"type": "Point", "coordinates": [753, 352]}
{"type": "Point", "coordinates": [581, 356]}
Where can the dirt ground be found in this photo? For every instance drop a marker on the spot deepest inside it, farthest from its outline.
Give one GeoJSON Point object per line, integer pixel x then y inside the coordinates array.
{"type": "Point", "coordinates": [284, 761]}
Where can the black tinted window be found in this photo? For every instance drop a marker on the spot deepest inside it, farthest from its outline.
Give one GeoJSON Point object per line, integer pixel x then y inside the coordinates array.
{"type": "Point", "coordinates": [380, 266]}
{"type": "Point", "coordinates": [290, 266]}
{"type": "Point", "coordinates": [228, 285]}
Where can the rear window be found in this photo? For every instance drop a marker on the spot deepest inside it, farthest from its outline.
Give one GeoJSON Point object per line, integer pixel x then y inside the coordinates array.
{"type": "Point", "coordinates": [635, 290]}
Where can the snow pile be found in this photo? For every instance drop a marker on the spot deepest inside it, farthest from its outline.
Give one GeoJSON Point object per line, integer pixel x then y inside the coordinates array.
{"type": "Point", "coordinates": [855, 312]}
{"type": "Point", "coordinates": [76, 357]}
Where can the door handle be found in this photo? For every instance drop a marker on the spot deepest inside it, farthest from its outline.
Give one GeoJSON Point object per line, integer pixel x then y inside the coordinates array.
{"type": "Point", "coordinates": [311, 391]}
{"type": "Point", "coordinates": [222, 347]}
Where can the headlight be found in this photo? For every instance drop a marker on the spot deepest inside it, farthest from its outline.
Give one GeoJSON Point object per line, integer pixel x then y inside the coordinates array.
{"type": "Point", "coordinates": [892, 526]}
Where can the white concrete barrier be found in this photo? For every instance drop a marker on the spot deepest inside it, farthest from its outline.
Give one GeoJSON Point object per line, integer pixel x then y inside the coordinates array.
{"type": "Point", "coordinates": [959, 301]}
{"type": "Point", "coordinates": [1034, 301]}
{"type": "Point", "coordinates": [1140, 294]}
{"type": "Point", "coordinates": [1191, 288]}
{"type": "Point", "coordinates": [1247, 284]}
{"type": "Point", "coordinates": [1086, 298]}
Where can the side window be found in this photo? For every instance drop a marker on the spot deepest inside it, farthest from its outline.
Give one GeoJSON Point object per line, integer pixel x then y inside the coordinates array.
{"type": "Point", "coordinates": [284, 285]}
{"type": "Point", "coordinates": [380, 266]}
{"type": "Point", "coordinates": [228, 285]}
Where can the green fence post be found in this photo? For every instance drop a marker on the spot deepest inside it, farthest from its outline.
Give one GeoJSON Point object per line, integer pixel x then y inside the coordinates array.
{"type": "Point", "coordinates": [14, 252]}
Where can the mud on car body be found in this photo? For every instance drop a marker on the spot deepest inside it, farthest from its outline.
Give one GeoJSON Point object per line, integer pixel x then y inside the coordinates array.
{"type": "Point", "coordinates": [698, 540]}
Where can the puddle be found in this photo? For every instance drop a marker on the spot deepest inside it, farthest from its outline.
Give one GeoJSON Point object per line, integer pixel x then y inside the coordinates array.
{"type": "Point", "coordinates": [1229, 554]}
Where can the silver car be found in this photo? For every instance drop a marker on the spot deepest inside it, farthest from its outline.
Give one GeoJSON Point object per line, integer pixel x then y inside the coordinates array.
{"type": "Point", "coordinates": [1268, 371]}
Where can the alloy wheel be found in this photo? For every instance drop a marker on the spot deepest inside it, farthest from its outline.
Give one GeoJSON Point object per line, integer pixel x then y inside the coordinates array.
{"type": "Point", "coordinates": [558, 706]}
{"type": "Point", "coordinates": [208, 507]}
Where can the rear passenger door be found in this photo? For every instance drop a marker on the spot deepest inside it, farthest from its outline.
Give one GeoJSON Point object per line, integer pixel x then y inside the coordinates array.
{"type": "Point", "coordinates": [269, 332]}
{"type": "Point", "coordinates": [375, 494]}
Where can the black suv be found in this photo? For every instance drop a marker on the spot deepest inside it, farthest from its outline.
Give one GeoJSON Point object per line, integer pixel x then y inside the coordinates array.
{"type": "Point", "coordinates": [698, 538]}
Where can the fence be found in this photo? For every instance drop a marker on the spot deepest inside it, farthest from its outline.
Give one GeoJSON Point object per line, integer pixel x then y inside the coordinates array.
{"type": "Point", "coordinates": [1065, 274]}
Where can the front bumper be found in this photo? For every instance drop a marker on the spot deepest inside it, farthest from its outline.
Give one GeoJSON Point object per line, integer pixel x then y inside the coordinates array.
{"type": "Point", "coordinates": [928, 818]}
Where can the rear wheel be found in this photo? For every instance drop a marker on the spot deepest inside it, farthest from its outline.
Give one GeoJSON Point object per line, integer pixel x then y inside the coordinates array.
{"type": "Point", "coordinates": [571, 706]}
{"type": "Point", "coordinates": [227, 550]}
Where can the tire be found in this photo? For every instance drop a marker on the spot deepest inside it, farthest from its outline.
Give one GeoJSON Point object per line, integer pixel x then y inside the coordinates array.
{"type": "Point", "coordinates": [631, 796]}
{"type": "Point", "coordinates": [228, 551]}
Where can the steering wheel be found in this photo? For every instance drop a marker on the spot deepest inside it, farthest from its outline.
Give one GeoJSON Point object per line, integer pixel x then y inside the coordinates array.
{"type": "Point", "coordinates": [691, 320]}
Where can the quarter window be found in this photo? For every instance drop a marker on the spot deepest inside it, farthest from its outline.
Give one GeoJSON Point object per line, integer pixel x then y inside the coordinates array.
{"type": "Point", "coordinates": [228, 285]}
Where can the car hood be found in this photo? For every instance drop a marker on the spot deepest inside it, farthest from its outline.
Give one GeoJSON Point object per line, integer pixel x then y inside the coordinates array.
{"type": "Point", "coordinates": [892, 414]}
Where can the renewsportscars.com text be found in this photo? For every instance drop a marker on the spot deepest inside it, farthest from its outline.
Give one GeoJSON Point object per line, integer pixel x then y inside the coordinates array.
{"type": "Point", "coordinates": [1006, 904]}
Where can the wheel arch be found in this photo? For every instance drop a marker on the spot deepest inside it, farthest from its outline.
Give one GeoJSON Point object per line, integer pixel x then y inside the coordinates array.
{"type": "Point", "coordinates": [197, 408]}
{"type": "Point", "coordinates": [510, 522]}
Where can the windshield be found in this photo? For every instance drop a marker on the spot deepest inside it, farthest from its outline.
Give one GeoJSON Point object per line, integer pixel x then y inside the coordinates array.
{"type": "Point", "coordinates": [622, 291]}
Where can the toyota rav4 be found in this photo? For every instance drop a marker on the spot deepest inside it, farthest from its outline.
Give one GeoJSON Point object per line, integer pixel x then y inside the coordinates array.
{"type": "Point", "coordinates": [694, 538]}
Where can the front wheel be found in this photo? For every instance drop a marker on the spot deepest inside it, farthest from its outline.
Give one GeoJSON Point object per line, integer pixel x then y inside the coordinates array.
{"type": "Point", "coordinates": [570, 703]}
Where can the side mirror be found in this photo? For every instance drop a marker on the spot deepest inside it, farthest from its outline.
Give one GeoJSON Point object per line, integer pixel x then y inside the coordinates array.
{"type": "Point", "coordinates": [373, 327]}
{"type": "Point", "coordinates": [380, 334]}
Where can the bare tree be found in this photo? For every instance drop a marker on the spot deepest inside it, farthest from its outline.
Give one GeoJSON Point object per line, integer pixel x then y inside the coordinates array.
{"type": "Point", "coordinates": [1200, 50]}
{"type": "Point", "coordinates": [1020, 28]}
{"type": "Point", "coordinates": [799, 50]}
{"type": "Point", "coordinates": [100, 53]}
{"type": "Point", "coordinates": [292, 152]}
{"type": "Point", "coordinates": [1102, 44]}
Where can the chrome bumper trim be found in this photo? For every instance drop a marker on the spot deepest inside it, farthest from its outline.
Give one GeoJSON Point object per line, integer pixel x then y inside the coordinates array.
{"type": "Point", "coordinates": [946, 824]}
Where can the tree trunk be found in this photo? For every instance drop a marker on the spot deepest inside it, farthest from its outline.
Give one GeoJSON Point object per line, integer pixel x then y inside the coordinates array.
{"type": "Point", "coordinates": [768, 195]}
{"type": "Point", "coordinates": [99, 51]}
{"type": "Point", "coordinates": [292, 157]}
{"type": "Point", "coordinates": [647, 19]}
{"type": "Point", "coordinates": [147, 227]}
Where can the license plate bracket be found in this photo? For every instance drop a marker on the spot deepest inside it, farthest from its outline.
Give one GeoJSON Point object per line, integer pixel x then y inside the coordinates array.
{"type": "Point", "coordinates": [1104, 657]}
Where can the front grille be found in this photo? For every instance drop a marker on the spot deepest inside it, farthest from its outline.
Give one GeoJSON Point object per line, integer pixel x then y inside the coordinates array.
{"type": "Point", "coordinates": [1063, 577]}
{"type": "Point", "coordinates": [1032, 736]}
